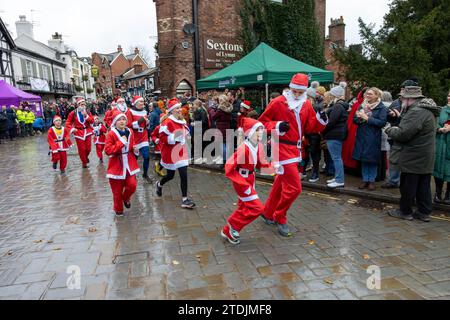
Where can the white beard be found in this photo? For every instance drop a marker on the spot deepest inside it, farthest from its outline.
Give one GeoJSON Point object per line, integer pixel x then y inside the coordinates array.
{"type": "Point", "coordinates": [294, 102]}
{"type": "Point", "coordinates": [122, 107]}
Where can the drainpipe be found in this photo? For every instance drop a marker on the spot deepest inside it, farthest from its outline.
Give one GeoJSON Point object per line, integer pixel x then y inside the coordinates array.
{"type": "Point", "coordinates": [196, 40]}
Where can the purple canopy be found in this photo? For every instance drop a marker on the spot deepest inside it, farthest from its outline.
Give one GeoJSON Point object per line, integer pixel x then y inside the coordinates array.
{"type": "Point", "coordinates": [10, 95]}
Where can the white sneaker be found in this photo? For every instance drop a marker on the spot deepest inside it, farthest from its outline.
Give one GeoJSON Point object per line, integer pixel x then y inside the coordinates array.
{"type": "Point", "coordinates": [331, 181]}
{"type": "Point", "coordinates": [335, 185]}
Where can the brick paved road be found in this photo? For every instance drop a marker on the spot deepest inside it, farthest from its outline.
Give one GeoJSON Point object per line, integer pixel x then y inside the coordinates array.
{"type": "Point", "coordinates": [159, 251]}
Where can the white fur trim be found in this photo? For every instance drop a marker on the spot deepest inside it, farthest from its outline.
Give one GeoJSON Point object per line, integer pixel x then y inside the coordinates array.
{"type": "Point", "coordinates": [324, 123]}
{"type": "Point", "coordinates": [245, 106]}
{"type": "Point", "coordinates": [139, 113]}
{"type": "Point", "coordinates": [135, 125]}
{"type": "Point", "coordinates": [175, 106]}
{"type": "Point", "coordinates": [298, 87]}
{"type": "Point", "coordinates": [255, 127]}
{"type": "Point", "coordinates": [140, 99]}
{"type": "Point", "coordinates": [171, 139]}
{"type": "Point", "coordinates": [142, 145]}
{"type": "Point", "coordinates": [248, 199]}
{"type": "Point", "coordinates": [290, 161]}
{"type": "Point", "coordinates": [176, 166]}
{"type": "Point", "coordinates": [120, 115]}
{"type": "Point", "coordinates": [176, 120]}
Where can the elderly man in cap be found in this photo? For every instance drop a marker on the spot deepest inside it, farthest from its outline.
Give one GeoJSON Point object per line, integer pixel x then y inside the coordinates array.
{"type": "Point", "coordinates": [413, 153]}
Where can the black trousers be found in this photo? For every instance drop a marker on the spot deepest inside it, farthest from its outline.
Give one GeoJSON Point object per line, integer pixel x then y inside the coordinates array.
{"type": "Point", "coordinates": [440, 186]}
{"type": "Point", "coordinates": [315, 151]}
{"type": "Point", "coordinates": [183, 177]}
{"type": "Point", "coordinates": [415, 187]}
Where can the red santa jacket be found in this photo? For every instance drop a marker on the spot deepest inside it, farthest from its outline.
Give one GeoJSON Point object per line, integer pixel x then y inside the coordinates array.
{"type": "Point", "coordinates": [240, 169]}
{"type": "Point", "coordinates": [139, 130]}
{"type": "Point", "coordinates": [155, 138]}
{"type": "Point", "coordinates": [58, 142]}
{"type": "Point", "coordinates": [99, 133]}
{"type": "Point", "coordinates": [121, 153]}
{"type": "Point", "coordinates": [173, 134]}
{"type": "Point", "coordinates": [108, 118]}
{"type": "Point", "coordinates": [81, 130]}
{"type": "Point", "coordinates": [303, 120]}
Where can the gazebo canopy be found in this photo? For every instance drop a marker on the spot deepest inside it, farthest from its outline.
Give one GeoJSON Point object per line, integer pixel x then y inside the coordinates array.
{"type": "Point", "coordinates": [10, 95]}
{"type": "Point", "coordinates": [264, 65]}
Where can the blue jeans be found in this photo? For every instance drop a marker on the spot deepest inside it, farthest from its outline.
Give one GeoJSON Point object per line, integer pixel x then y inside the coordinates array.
{"type": "Point", "coordinates": [369, 171]}
{"type": "Point", "coordinates": [145, 151]}
{"type": "Point", "coordinates": [394, 177]}
{"type": "Point", "coordinates": [335, 149]}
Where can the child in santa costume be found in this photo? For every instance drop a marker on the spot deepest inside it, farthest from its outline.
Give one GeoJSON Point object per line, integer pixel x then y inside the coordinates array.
{"type": "Point", "coordinates": [240, 169]}
{"type": "Point", "coordinates": [158, 146]}
{"type": "Point", "coordinates": [99, 137]}
{"type": "Point", "coordinates": [79, 122]}
{"type": "Point", "coordinates": [59, 142]}
{"type": "Point", "coordinates": [288, 118]}
{"type": "Point", "coordinates": [122, 165]}
{"type": "Point", "coordinates": [173, 135]}
{"type": "Point", "coordinates": [140, 123]}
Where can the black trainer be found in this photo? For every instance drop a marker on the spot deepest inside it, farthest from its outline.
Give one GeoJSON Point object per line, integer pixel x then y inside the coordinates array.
{"type": "Point", "coordinates": [158, 187]}
{"type": "Point", "coordinates": [127, 205]}
{"type": "Point", "coordinates": [422, 217]}
{"type": "Point", "coordinates": [188, 204]}
{"type": "Point", "coordinates": [55, 165]}
{"type": "Point", "coordinates": [400, 215]}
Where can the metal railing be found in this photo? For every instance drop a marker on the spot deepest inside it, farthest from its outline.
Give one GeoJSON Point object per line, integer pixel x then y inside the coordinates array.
{"type": "Point", "coordinates": [23, 83]}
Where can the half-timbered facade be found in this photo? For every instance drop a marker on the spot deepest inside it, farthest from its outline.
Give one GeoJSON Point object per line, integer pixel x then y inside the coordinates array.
{"type": "Point", "coordinates": [6, 45]}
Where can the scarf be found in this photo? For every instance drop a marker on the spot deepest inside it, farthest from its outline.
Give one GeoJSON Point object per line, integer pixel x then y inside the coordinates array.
{"type": "Point", "coordinates": [368, 107]}
{"type": "Point", "coordinates": [81, 117]}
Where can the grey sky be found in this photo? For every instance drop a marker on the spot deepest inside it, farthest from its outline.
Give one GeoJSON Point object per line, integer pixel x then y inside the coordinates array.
{"type": "Point", "coordinates": [98, 25]}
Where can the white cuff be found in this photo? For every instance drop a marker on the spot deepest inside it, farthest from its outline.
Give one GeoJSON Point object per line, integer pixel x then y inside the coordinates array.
{"type": "Point", "coordinates": [324, 123]}
{"type": "Point", "coordinates": [157, 141]}
{"type": "Point", "coordinates": [249, 191]}
{"type": "Point", "coordinates": [171, 139]}
{"type": "Point", "coordinates": [279, 169]}
{"type": "Point", "coordinates": [135, 125]}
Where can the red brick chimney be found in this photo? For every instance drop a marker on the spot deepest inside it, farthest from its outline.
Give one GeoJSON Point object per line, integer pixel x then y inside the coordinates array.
{"type": "Point", "coordinates": [136, 50]}
{"type": "Point", "coordinates": [119, 48]}
{"type": "Point", "coordinates": [137, 68]}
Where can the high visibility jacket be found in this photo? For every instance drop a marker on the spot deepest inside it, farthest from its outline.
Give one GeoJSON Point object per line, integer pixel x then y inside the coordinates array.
{"type": "Point", "coordinates": [29, 117]}
{"type": "Point", "coordinates": [20, 115]}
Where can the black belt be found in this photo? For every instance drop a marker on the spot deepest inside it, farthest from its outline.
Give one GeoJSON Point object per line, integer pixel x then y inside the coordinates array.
{"type": "Point", "coordinates": [80, 128]}
{"type": "Point", "coordinates": [59, 140]}
{"type": "Point", "coordinates": [249, 172]}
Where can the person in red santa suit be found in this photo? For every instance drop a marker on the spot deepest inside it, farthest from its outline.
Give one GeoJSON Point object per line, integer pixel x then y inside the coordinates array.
{"type": "Point", "coordinates": [158, 146]}
{"type": "Point", "coordinates": [240, 169]}
{"type": "Point", "coordinates": [122, 165]}
{"type": "Point", "coordinates": [173, 136]}
{"type": "Point", "coordinates": [99, 137]}
{"type": "Point", "coordinates": [79, 122]}
{"type": "Point", "coordinates": [140, 124]}
{"type": "Point", "coordinates": [288, 118]}
{"type": "Point", "coordinates": [108, 115]}
{"type": "Point", "coordinates": [59, 142]}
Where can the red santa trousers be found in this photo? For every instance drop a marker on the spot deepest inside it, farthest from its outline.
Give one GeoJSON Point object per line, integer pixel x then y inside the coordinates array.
{"type": "Point", "coordinates": [122, 191]}
{"type": "Point", "coordinates": [99, 148]}
{"type": "Point", "coordinates": [245, 214]}
{"type": "Point", "coordinates": [84, 149]}
{"type": "Point", "coordinates": [285, 190]}
{"type": "Point", "coordinates": [61, 157]}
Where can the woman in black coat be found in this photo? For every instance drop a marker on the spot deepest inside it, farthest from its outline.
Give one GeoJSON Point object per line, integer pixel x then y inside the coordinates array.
{"type": "Point", "coordinates": [370, 118]}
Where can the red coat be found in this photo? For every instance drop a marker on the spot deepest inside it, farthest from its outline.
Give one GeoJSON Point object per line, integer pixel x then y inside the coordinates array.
{"type": "Point", "coordinates": [155, 138]}
{"type": "Point", "coordinates": [121, 153]}
{"type": "Point", "coordinates": [107, 119]}
{"type": "Point", "coordinates": [303, 120]}
{"type": "Point", "coordinates": [240, 169]}
{"type": "Point", "coordinates": [174, 152]}
{"type": "Point", "coordinates": [99, 133]}
{"type": "Point", "coordinates": [139, 130]}
{"type": "Point", "coordinates": [81, 130]}
{"type": "Point", "coordinates": [349, 143]}
{"type": "Point", "coordinates": [58, 143]}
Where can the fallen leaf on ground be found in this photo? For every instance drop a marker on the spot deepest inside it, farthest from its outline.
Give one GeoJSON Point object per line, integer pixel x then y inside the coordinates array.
{"type": "Point", "coordinates": [175, 262]}
{"type": "Point", "coordinates": [57, 249]}
{"type": "Point", "coordinates": [50, 241]}
{"type": "Point", "coordinates": [329, 281]}
{"type": "Point", "coordinates": [92, 229]}
{"type": "Point", "coordinates": [73, 219]}
{"type": "Point", "coordinates": [366, 257]}
{"type": "Point", "coordinates": [234, 204]}
{"type": "Point", "coordinates": [311, 242]}
{"type": "Point", "coordinates": [10, 252]}
{"type": "Point", "coordinates": [38, 241]}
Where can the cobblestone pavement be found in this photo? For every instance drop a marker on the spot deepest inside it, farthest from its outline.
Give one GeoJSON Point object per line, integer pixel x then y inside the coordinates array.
{"type": "Point", "coordinates": [49, 222]}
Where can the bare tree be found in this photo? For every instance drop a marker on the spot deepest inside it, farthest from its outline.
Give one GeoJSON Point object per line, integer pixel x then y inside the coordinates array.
{"type": "Point", "coordinates": [143, 51]}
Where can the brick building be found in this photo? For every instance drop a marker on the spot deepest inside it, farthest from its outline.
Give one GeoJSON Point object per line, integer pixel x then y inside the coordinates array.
{"type": "Point", "coordinates": [217, 39]}
{"type": "Point", "coordinates": [112, 66]}
{"type": "Point", "coordinates": [335, 39]}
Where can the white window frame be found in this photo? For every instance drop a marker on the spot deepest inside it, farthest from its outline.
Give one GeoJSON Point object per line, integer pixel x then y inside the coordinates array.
{"type": "Point", "coordinates": [29, 68]}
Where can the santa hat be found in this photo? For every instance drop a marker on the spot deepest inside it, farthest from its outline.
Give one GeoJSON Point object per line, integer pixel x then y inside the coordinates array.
{"type": "Point", "coordinates": [116, 116]}
{"type": "Point", "coordinates": [120, 100]}
{"type": "Point", "coordinates": [56, 118]}
{"type": "Point", "coordinates": [246, 104]}
{"type": "Point", "coordinates": [136, 99]}
{"type": "Point", "coordinates": [173, 104]}
{"type": "Point", "coordinates": [299, 82]}
{"type": "Point", "coordinates": [80, 100]}
{"type": "Point", "coordinates": [96, 118]}
{"type": "Point", "coordinates": [249, 126]}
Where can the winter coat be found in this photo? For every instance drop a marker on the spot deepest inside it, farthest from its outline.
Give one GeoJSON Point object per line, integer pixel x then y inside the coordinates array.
{"type": "Point", "coordinates": [368, 135]}
{"type": "Point", "coordinates": [337, 121]}
{"type": "Point", "coordinates": [200, 115]}
{"type": "Point", "coordinates": [3, 121]}
{"type": "Point", "coordinates": [442, 162]}
{"type": "Point", "coordinates": [414, 139]}
{"type": "Point", "coordinates": [12, 118]}
{"type": "Point", "coordinates": [29, 117]}
{"type": "Point", "coordinates": [223, 119]}
{"type": "Point", "coordinates": [154, 119]}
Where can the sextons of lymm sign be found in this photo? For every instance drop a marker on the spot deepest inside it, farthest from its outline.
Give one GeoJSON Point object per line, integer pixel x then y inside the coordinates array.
{"type": "Point", "coordinates": [221, 52]}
